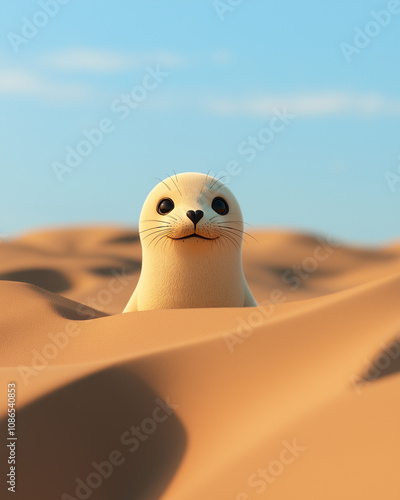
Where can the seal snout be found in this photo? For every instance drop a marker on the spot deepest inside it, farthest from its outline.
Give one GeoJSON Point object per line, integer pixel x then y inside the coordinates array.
{"type": "Point", "coordinates": [195, 216]}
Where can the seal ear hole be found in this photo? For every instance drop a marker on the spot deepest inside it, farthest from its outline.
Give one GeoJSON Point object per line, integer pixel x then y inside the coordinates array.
{"type": "Point", "coordinates": [165, 206]}
{"type": "Point", "coordinates": [220, 206]}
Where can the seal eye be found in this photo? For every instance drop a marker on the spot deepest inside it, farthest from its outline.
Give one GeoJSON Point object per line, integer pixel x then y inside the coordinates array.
{"type": "Point", "coordinates": [220, 206]}
{"type": "Point", "coordinates": [165, 206]}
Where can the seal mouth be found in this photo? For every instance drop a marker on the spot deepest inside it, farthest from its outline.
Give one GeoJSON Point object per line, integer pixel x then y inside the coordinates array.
{"type": "Point", "coordinates": [193, 235]}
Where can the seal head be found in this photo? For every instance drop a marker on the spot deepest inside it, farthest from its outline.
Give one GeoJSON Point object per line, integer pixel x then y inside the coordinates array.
{"type": "Point", "coordinates": [191, 231]}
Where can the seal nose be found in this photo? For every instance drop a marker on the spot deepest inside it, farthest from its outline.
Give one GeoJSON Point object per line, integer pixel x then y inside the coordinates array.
{"type": "Point", "coordinates": [195, 216]}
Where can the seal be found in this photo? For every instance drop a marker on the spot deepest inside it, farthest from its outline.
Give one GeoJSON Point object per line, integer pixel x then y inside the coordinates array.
{"type": "Point", "coordinates": [191, 231]}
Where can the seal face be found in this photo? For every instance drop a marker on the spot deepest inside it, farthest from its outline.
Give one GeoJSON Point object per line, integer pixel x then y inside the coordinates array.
{"type": "Point", "coordinates": [191, 231]}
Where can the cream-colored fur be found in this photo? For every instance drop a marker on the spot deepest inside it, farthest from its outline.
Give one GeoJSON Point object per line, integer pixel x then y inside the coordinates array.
{"type": "Point", "coordinates": [190, 272]}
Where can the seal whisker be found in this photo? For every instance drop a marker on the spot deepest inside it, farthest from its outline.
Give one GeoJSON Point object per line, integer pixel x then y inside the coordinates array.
{"type": "Point", "coordinates": [166, 241]}
{"type": "Point", "coordinates": [235, 222]}
{"type": "Point", "coordinates": [232, 233]}
{"type": "Point", "coordinates": [218, 180]}
{"type": "Point", "coordinates": [219, 187]}
{"type": "Point", "coordinates": [229, 239]}
{"type": "Point", "coordinates": [157, 236]}
{"type": "Point", "coordinates": [160, 238]}
{"type": "Point", "coordinates": [163, 183]}
{"type": "Point", "coordinates": [154, 232]}
{"type": "Point", "coordinates": [151, 234]}
{"type": "Point", "coordinates": [223, 225]}
{"type": "Point", "coordinates": [219, 224]}
{"type": "Point", "coordinates": [234, 240]}
{"type": "Point", "coordinates": [229, 221]}
{"type": "Point", "coordinates": [242, 237]}
{"type": "Point", "coordinates": [239, 231]}
{"type": "Point", "coordinates": [176, 185]}
{"type": "Point", "coordinates": [251, 236]}
{"type": "Point", "coordinates": [156, 220]}
{"type": "Point", "coordinates": [150, 228]}
{"type": "Point", "coordinates": [246, 223]}
{"type": "Point", "coordinates": [229, 231]}
{"type": "Point", "coordinates": [226, 241]}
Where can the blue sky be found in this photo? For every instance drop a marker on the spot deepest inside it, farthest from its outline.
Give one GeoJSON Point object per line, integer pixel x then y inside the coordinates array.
{"type": "Point", "coordinates": [206, 85]}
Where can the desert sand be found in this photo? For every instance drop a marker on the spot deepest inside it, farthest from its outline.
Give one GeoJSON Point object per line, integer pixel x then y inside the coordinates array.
{"type": "Point", "coordinates": [295, 399]}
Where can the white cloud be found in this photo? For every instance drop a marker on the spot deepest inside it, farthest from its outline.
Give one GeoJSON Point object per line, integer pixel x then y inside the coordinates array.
{"type": "Point", "coordinates": [19, 82]}
{"type": "Point", "coordinates": [23, 82]}
{"type": "Point", "coordinates": [104, 61]}
{"type": "Point", "coordinates": [328, 103]}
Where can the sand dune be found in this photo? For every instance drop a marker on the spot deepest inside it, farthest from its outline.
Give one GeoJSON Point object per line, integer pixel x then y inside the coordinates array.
{"type": "Point", "coordinates": [297, 398]}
